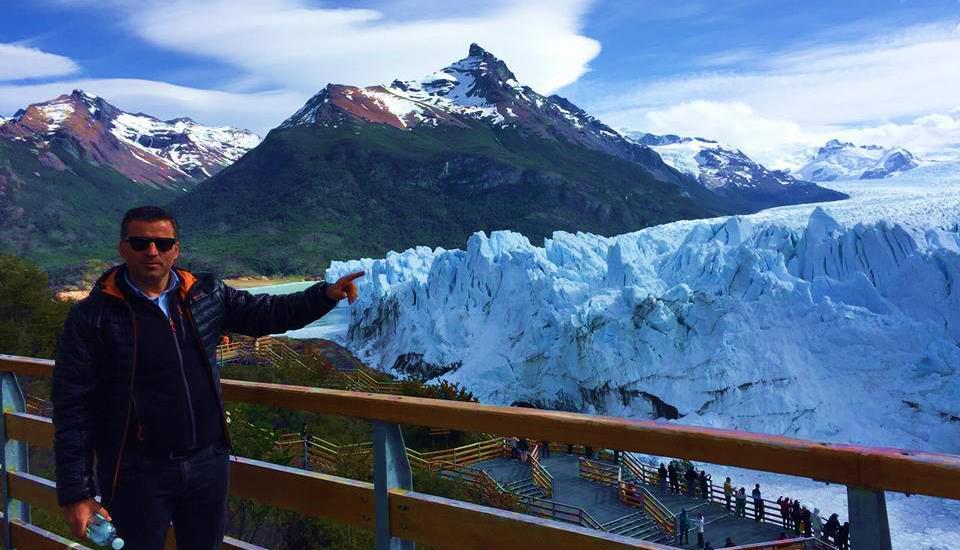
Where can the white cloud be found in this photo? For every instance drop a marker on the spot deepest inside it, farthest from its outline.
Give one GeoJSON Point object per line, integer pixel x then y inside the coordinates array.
{"type": "Point", "coordinates": [20, 62]}
{"type": "Point", "coordinates": [300, 47]}
{"type": "Point", "coordinates": [294, 49]}
{"type": "Point", "coordinates": [257, 112]}
{"type": "Point", "coordinates": [782, 143]}
{"type": "Point", "coordinates": [849, 89]}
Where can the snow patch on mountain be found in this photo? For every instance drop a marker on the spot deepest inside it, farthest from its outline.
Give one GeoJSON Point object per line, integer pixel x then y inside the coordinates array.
{"type": "Point", "coordinates": [138, 146]}
{"type": "Point", "coordinates": [195, 149]}
{"type": "Point", "coordinates": [56, 113]}
{"type": "Point", "coordinates": [839, 160]}
{"type": "Point", "coordinates": [818, 323]}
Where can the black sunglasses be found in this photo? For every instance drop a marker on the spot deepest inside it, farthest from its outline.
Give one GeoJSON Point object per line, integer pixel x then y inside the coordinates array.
{"type": "Point", "coordinates": [164, 244]}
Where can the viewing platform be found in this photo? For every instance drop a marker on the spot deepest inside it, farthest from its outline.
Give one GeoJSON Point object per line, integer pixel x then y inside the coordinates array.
{"type": "Point", "coordinates": [399, 515]}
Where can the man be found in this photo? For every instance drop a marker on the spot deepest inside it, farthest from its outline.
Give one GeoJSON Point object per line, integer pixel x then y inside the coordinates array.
{"type": "Point", "coordinates": [683, 527]}
{"type": "Point", "coordinates": [757, 503]}
{"type": "Point", "coordinates": [742, 503]}
{"type": "Point", "coordinates": [727, 492]}
{"type": "Point", "coordinates": [674, 481]}
{"type": "Point", "coordinates": [137, 386]}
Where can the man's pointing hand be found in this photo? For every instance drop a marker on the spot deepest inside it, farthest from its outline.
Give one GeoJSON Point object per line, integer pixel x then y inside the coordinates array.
{"type": "Point", "coordinates": [344, 288]}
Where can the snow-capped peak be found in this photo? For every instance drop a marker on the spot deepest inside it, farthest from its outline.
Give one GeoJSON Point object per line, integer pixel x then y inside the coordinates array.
{"type": "Point", "coordinates": [717, 166]}
{"type": "Point", "coordinates": [840, 160]}
{"type": "Point", "coordinates": [149, 150]}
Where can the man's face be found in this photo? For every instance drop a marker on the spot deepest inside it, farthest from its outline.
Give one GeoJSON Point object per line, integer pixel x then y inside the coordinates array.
{"type": "Point", "coordinates": [150, 264]}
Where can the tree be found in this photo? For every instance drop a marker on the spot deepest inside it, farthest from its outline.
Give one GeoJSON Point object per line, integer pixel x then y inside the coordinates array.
{"type": "Point", "coordinates": [30, 317]}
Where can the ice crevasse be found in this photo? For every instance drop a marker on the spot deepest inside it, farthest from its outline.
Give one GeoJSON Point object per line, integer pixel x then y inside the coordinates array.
{"type": "Point", "coordinates": [826, 332]}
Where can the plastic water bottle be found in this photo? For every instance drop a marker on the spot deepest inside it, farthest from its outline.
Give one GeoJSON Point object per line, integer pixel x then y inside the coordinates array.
{"type": "Point", "coordinates": [102, 532]}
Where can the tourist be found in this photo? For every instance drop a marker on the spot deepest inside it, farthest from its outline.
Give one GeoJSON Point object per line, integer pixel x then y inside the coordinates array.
{"type": "Point", "coordinates": [816, 523]}
{"type": "Point", "coordinates": [514, 450]}
{"type": "Point", "coordinates": [674, 481]}
{"type": "Point", "coordinates": [141, 313]}
{"type": "Point", "coordinates": [524, 447]}
{"type": "Point", "coordinates": [741, 503]}
{"type": "Point", "coordinates": [704, 485]}
{"type": "Point", "coordinates": [662, 478]}
{"type": "Point", "coordinates": [830, 529]}
{"type": "Point", "coordinates": [700, 525]}
{"type": "Point", "coordinates": [691, 479]}
{"type": "Point", "coordinates": [683, 536]}
{"type": "Point", "coordinates": [544, 449]}
{"type": "Point", "coordinates": [757, 503]}
{"type": "Point", "coordinates": [727, 492]}
{"type": "Point", "coordinates": [784, 504]}
{"type": "Point", "coordinates": [843, 536]}
{"type": "Point", "coordinates": [805, 518]}
{"type": "Point", "coordinates": [795, 517]}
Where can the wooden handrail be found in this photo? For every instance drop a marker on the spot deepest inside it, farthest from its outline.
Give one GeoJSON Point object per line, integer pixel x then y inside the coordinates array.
{"type": "Point", "coordinates": [540, 476]}
{"type": "Point", "coordinates": [873, 468]}
{"type": "Point", "coordinates": [414, 516]}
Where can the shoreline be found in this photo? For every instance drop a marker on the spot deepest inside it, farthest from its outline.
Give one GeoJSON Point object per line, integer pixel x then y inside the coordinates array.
{"type": "Point", "coordinates": [262, 280]}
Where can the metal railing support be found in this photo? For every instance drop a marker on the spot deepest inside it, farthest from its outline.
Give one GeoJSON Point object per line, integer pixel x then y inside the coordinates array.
{"type": "Point", "coordinates": [391, 470]}
{"type": "Point", "coordinates": [14, 455]}
{"type": "Point", "coordinates": [867, 510]}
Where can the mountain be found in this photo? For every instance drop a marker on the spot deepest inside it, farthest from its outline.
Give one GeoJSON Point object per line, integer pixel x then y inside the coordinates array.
{"type": "Point", "coordinates": [138, 146]}
{"type": "Point", "coordinates": [71, 166]}
{"type": "Point", "coordinates": [729, 172]}
{"type": "Point", "coordinates": [358, 171]}
{"type": "Point", "coordinates": [838, 160]}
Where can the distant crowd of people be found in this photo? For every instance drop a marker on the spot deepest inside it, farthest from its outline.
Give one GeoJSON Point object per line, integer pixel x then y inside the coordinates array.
{"type": "Point", "coordinates": [795, 516]}
{"type": "Point", "coordinates": [674, 478]}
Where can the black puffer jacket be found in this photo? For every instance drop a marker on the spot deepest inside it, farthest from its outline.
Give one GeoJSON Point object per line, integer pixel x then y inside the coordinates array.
{"type": "Point", "coordinates": [95, 368]}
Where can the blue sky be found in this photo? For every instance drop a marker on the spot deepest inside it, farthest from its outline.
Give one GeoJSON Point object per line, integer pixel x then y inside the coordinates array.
{"type": "Point", "coordinates": [768, 76]}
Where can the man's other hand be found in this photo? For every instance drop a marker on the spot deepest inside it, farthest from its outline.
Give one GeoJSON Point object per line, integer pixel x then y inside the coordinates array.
{"type": "Point", "coordinates": [344, 288]}
{"type": "Point", "coordinates": [79, 513]}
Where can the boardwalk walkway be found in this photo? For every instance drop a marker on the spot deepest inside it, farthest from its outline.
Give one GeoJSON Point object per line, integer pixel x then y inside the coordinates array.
{"type": "Point", "coordinates": [602, 502]}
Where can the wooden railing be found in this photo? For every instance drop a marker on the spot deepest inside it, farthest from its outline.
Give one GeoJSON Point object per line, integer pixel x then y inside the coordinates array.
{"type": "Point", "coordinates": [275, 352]}
{"type": "Point", "coordinates": [434, 520]}
{"type": "Point", "coordinates": [799, 543]}
{"type": "Point", "coordinates": [540, 476]}
{"type": "Point", "coordinates": [562, 512]}
{"type": "Point", "coordinates": [632, 494]}
{"type": "Point", "coordinates": [599, 471]}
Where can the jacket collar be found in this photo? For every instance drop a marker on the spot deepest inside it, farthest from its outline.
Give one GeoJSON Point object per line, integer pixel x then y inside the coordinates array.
{"type": "Point", "coordinates": [108, 283]}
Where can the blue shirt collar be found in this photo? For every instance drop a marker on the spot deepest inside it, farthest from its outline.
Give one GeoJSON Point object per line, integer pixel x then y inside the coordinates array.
{"type": "Point", "coordinates": [163, 301]}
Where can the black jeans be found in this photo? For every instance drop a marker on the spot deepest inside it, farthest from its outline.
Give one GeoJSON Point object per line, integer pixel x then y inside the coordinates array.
{"type": "Point", "coordinates": [153, 491]}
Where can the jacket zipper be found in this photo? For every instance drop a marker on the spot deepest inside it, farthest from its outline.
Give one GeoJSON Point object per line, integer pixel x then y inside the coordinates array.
{"type": "Point", "coordinates": [186, 386]}
{"type": "Point", "coordinates": [206, 359]}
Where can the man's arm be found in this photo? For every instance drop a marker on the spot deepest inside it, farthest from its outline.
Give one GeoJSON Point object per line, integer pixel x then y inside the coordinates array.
{"type": "Point", "coordinates": [72, 393]}
{"type": "Point", "coordinates": [262, 314]}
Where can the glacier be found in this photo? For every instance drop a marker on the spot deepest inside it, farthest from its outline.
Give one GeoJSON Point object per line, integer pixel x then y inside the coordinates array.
{"type": "Point", "coordinates": [837, 323]}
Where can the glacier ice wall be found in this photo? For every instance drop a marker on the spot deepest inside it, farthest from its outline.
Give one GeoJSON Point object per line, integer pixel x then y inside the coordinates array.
{"type": "Point", "coordinates": [823, 331]}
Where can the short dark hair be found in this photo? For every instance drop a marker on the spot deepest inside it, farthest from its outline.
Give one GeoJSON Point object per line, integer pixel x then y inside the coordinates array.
{"type": "Point", "coordinates": [147, 214]}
